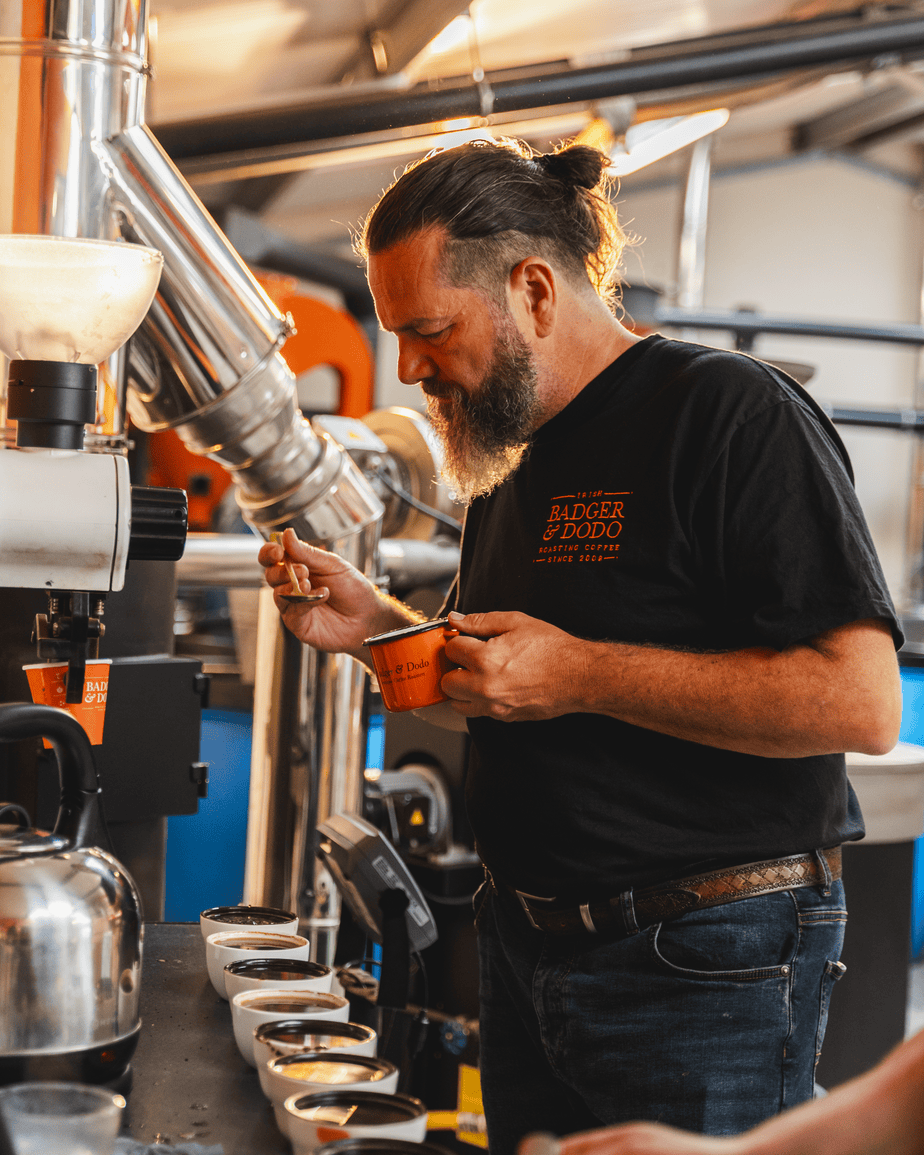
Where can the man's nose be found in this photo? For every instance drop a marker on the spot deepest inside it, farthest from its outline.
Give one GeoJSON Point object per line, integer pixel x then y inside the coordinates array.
{"type": "Point", "coordinates": [413, 363]}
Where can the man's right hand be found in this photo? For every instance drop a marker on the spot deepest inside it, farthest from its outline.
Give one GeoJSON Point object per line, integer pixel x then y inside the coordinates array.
{"type": "Point", "coordinates": [353, 609]}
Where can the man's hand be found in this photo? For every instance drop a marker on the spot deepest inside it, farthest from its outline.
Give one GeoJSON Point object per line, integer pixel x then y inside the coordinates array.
{"type": "Point", "coordinates": [353, 609]}
{"type": "Point", "coordinates": [512, 667]}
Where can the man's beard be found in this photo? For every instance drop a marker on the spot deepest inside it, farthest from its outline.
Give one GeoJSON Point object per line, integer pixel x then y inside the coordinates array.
{"type": "Point", "coordinates": [485, 434]}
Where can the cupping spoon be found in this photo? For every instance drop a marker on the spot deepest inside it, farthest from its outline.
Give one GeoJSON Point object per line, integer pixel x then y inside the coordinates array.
{"type": "Point", "coordinates": [295, 599]}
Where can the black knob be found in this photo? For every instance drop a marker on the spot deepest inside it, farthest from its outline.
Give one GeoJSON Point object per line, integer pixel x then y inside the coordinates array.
{"type": "Point", "coordinates": [159, 523]}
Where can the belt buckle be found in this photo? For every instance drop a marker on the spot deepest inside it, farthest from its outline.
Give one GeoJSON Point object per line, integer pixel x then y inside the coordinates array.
{"type": "Point", "coordinates": [525, 899]}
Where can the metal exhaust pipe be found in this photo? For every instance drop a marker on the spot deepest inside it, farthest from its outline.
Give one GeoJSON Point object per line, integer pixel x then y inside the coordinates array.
{"type": "Point", "coordinates": [207, 364]}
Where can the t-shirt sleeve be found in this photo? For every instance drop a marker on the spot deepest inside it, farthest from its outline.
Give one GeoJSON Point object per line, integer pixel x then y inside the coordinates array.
{"type": "Point", "coordinates": [794, 553]}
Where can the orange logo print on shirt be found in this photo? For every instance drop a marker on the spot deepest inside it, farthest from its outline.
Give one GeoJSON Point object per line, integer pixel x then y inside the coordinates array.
{"type": "Point", "coordinates": [583, 527]}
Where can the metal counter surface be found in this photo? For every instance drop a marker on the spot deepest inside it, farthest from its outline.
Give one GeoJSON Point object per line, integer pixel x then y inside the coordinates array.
{"type": "Point", "coordinates": [189, 1082]}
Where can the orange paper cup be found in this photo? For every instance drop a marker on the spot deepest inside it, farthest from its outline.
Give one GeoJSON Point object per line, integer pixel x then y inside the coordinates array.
{"type": "Point", "coordinates": [410, 663]}
{"type": "Point", "coordinates": [47, 682]}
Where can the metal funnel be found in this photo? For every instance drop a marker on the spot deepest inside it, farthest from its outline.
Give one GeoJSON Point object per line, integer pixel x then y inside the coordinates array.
{"type": "Point", "coordinates": [73, 300]}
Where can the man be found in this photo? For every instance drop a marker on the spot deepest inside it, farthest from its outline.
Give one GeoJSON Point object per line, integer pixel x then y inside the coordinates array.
{"type": "Point", "coordinates": [672, 622]}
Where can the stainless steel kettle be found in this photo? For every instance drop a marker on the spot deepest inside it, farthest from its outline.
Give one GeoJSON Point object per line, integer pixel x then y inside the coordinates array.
{"type": "Point", "coordinates": [71, 925]}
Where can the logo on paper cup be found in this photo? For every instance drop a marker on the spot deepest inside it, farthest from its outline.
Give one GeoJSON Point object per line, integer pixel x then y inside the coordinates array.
{"type": "Point", "coordinates": [331, 1134]}
{"type": "Point", "coordinates": [48, 686]}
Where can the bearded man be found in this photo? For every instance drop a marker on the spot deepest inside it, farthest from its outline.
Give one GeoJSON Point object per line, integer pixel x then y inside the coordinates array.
{"type": "Point", "coordinates": [672, 624]}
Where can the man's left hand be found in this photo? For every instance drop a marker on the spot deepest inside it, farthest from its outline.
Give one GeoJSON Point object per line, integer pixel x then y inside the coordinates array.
{"type": "Point", "coordinates": [512, 667]}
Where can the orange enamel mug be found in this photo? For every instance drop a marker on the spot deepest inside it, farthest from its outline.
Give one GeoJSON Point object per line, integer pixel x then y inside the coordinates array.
{"type": "Point", "coordinates": [410, 664]}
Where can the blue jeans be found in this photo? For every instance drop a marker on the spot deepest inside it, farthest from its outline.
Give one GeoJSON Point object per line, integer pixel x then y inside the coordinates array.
{"type": "Point", "coordinates": [712, 1022]}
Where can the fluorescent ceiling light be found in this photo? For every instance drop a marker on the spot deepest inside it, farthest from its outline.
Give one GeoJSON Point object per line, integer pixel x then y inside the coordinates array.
{"type": "Point", "coordinates": [652, 140]}
{"type": "Point", "coordinates": [456, 33]}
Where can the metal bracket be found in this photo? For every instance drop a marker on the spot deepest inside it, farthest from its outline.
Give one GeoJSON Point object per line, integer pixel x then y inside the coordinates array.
{"type": "Point", "coordinates": [199, 773]}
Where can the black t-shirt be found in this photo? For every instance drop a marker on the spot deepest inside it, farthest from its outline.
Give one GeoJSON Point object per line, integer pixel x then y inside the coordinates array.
{"type": "Point", "coordinates": [686, 498]}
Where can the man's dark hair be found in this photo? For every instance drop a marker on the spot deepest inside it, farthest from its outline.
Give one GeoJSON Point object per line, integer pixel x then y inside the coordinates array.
{"type": "Point", "coordinates": [498, 202]}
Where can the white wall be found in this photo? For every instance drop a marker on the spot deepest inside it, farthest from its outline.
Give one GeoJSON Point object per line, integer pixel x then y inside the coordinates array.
{"type": "Point", "coordinates": [815, 238]}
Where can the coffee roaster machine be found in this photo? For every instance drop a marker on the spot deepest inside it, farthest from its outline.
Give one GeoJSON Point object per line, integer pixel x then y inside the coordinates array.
{"type": "Point", "coordinates": [89, 555]}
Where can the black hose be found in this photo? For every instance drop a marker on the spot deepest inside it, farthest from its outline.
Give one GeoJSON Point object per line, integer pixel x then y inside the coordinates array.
{"type": "Point", "coordinates": [442, 518]}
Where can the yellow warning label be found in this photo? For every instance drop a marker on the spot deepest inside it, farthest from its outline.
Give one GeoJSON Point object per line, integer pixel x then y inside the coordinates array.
{"type": "Point", "coordinates": [417, 818]}
{"type": "Point", "coordinates": [471, 1126]}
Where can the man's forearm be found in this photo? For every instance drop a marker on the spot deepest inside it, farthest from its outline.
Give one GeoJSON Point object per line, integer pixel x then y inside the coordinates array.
{"type": "Point", "coordinates": [880, 1113]}
{"type": "Point", "coordinates": [839, 693]}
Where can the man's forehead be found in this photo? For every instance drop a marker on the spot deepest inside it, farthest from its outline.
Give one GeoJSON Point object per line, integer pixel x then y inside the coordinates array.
{"type": "Point", "coordinates": [409, 284]}
{"type": "Point", "coordinates": [415, 256]}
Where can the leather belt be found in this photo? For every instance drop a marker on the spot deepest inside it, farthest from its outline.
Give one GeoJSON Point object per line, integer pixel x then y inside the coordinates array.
{"type": "Point", "coordinates": [632, 911]}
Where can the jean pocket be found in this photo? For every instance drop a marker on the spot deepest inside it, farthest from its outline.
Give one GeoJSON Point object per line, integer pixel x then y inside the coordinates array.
{"type": "Point", "coordinates": [744, 941]}
{"type": "Point", "coordinates": [833, 972]}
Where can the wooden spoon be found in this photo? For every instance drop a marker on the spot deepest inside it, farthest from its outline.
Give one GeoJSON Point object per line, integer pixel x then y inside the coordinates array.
{"type": "Point", "coordinates": [299, 598]}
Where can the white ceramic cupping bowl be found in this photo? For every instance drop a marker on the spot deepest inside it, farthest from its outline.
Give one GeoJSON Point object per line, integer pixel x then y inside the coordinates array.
{"type": "Point", "coordinates": [313, 1120]}
{"type": "Point", "coordinates": [317, 1036]}
{"type": "Point", "coordinates": [232, 945]}
{"type": "Point", "coordinates": [251, 1009]}
{"type": "Point", "coordinates": [260, 973]}
{"type": "Point", "coordinates": [265, 918]}
{"type": "Point", "coordinates": [367, 1146]}
{"type": "Point", "coordinates": [309, 1074]}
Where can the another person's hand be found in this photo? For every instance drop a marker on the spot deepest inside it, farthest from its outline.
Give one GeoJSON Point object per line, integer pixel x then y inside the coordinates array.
{"type": "Point", "coordinates": [881, 1112]}
{"type": "Point", "coordinates": [512, 667]}
{"type": "Point", "coordinates": [353, 609]}
{"type": "Point", "coordinates": [647, 1139]}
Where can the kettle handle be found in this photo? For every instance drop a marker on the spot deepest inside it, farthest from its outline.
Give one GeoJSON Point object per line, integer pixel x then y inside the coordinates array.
{"type": "Point", "coordinates": [80, 817]}
{"type": "Point", "coordinates": [15, 809]}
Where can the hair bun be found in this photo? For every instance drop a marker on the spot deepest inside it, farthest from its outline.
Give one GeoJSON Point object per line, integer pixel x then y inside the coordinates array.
{"type": "Point", "coordinates": [577, 165]}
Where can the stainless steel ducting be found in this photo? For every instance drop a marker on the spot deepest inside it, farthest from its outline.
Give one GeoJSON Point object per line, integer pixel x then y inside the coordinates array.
{"type": "Point", "coordinates": [228, 561]}
{"type": "Point", "coordinates": [76, 160]}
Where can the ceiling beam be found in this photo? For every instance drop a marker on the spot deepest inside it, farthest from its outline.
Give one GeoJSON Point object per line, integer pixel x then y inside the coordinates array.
{"type": "Point", "coordinates": [394, 42]}
{"type": "Point", "coordinates": [904, 129]}
{"type": "Point", "coordinates": [389, 48]}
{"type": "Point", "coordinates": [842, 127]}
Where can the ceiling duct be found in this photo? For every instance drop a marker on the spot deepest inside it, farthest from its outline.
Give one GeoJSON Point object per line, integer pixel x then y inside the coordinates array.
{"type": "Point", "coordinates": [707, 64]}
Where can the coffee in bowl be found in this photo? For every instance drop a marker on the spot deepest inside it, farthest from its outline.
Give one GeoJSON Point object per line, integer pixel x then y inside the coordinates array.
{"type": "Point", "coordinates": [251, 1009]}
{"type": "Point", "coordinates": [251, 942]}
{"type": "Point", "coordinates": [313, 1120]}
{"type": "Point", "coordinates": [292, 974]}
{"type": "Point", "coordinates": [377, 1146]}
{"type": "Point", "coordinates": [285, 1075]}
{"type": "Point", "coordinates": [298, 1036]}
{"type": "Point", "coordinates": [218, 918]}
{"type": "Point", "coordinates": [231, 946]}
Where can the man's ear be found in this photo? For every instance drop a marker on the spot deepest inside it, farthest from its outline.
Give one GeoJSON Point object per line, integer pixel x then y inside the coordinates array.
{"type": "Point", "coordinates": [533, 291]}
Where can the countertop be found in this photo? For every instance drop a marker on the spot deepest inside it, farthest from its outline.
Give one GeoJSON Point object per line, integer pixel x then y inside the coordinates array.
{"type": "Point", "coordinates": [188, 1080]}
